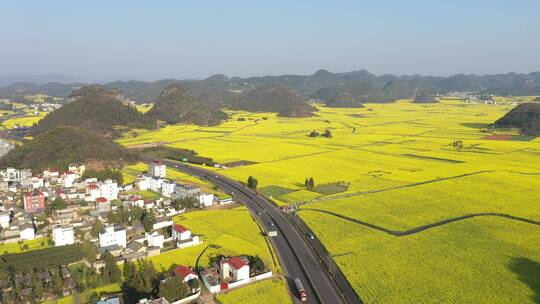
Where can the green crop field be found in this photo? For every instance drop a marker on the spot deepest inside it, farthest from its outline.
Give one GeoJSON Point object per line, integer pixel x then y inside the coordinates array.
{"type": "Point", "coordinates": [412, 171]}
{"type": "Point", "coordinates": [268, 292]}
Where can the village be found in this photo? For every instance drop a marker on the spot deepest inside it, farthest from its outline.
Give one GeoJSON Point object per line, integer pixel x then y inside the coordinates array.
{"type": "Point", "coordinates": [114, 224]}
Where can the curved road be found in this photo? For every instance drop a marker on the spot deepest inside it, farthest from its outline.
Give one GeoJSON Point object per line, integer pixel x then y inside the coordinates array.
{"type": "Point", "coordinates": [296, 258]}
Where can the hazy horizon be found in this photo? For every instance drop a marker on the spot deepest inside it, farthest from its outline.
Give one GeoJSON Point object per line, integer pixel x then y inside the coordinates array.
{"type": "Point", "coordinates": [193, 40]}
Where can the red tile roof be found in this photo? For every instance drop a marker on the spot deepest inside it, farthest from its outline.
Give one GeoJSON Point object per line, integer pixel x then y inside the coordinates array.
{"type": "Point", "coordinates": [101, 200]}
{"type": "Point", "coordinates": [183, 271]}
{"type": "Point", "coordinates": [237, 262]}
{"type": "Point", "coordinates": [93, 186]}
{"type": "Point", "coordinates": [180, 228]}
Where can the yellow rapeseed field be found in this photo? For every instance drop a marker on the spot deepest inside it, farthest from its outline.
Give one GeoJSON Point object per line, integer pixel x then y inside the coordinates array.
{"type": "Point", "coordinates": [406, 165]}
{"type": "Point", "coordinates": [267, 292]}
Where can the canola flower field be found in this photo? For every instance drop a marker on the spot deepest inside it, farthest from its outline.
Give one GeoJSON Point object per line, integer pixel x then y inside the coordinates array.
{"type": "Point", "coordinates": [268, 291]}
{"type": "Point", "coordinates": [407, 166]}
{"type": "Point", "coordinates": [226, 232]}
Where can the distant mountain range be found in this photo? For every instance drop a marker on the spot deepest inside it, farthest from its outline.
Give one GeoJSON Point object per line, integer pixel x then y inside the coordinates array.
{"type": "Point", "coordinates": [354, 87]}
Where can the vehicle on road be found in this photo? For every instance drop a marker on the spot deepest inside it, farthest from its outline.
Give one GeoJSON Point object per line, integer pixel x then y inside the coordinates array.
{"type": "Point", "coordinates": [271, 233]}
{"type": "Point", "coordinates": [301, 290]}
{"type": "Point", "coordinates": [258, 213]}
{"type": "Point", "coordinates": [310, 235]}
{"type": "Point", "coordinates": [271, 223]}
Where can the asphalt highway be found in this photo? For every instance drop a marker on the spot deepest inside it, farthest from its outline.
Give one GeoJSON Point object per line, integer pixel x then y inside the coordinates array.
{"type": "Point", "coordinates": [296, 258]}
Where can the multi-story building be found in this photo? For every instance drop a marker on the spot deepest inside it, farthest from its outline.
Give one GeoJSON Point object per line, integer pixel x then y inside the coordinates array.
{"type": "Point", "coordinates": [113, 235]}
{"type": "Point", "coordinates": [181, 191]}
{"type": "Point", "coordinates": [109, 189]}
{"type": "Point", "coordinates": [63, 235]}
{"type": "Point", "coordinates": [157, 169]}
{"type": "Point", "coordinates": [34, 202]}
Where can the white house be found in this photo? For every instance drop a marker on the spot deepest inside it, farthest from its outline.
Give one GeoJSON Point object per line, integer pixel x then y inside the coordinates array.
{"type": "Point", "coordinates": [180, 233]}
{"type": "Point", "coordinates": [167, 188]}
{"type": "Point", "coordinates": [92, 191]}
{"type": "Point", "coordinates": [69, 179]}
{"type": "Point", "coordinates": [135, 200]}
{"type": "Point", "coordinates": [113, 235]}
{"type": "Point", "coordinates": [37, 182]}
{"type": "Point", "coordinates": [162, 222]}
{"type": "Point", "coordinates": [27, 231]}
{"type": "Point", "coordinates": [155, 184]}
{"type": "Point", "coordinates": [206, 199]}
{"type": "Point", "coordinates": [4, 220]}
{"type": "Point", "coordinates": [63, 235]}
{"type": "Point", "coordinates": [11, 175]}
{"type": "Point", "coordinates": [103, 205]}
{"type": "Point", "coordinates": [143, 183]}
{"type": "Point", "coordinates": [226, 200]}
{"type": "Point", "coordinates": [154, 239]}
{"type": "Point", "coordinates": [109, 189]}
{"type": "Point", "coordinates": [185, 272]}
{"type": "Point", "coordinates": [234, 268]}
{"type": "Point", "coordinates": [157, 169]}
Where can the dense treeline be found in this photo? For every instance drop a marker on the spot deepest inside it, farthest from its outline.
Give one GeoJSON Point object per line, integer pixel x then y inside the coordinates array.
{"type": "Point", "coordinates": [178, 155]}
{"type": "Point", "coordinates": [115, 175]}
{"type": "Point", "coordinates": [64, 145]}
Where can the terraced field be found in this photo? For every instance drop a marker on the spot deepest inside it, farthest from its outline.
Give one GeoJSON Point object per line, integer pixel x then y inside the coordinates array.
{"type": "Point", "coordinates": [407, 166]}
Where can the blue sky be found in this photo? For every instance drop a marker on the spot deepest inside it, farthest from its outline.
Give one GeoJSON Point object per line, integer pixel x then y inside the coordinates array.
{"type": "Point", "coordinates": [195, 39]}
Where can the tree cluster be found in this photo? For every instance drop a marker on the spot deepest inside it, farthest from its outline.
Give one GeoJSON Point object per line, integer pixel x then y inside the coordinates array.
{"type": "Point", "coordinates": [187, 202]}
{"type": "Point", "coordinates": [133, 215]}
{"type": "Point", "coordinates": [327, 133]}
{"type": "Point", "coordinates": [252, 182]}
{"type": "Point", "coordinates": [115, 175]}
{"type": "Point", "coordinates": [309, 183]}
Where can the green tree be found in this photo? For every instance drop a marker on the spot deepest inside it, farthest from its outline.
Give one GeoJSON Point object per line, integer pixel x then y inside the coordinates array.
{"type": "Point", "coordinates": [111, 272]}
{"type": "Point", "coordinates": [194, 284]}
{"type": "Point", "coordinates": [128, 272]}
{"type": "Point", "coordinates": [173, 289]}
{"type": "Point", "coordinates": [313, 134]}
{"type": "Point", "coordinates": [96, 228]}
{"type": "Point", "coordinates": [149, 276]}
{"type": "Point", "coordinates": [57, 284]}
{"type": "Point", "coordinates": [148, 220]}
{"type": "Point", "coordinates": [311, 183]}
{"type": "Point", "coordinates": [94, 298]}
{"type": "Point", "coordinates": [252, 182]}
{"type": "Point", "coordinates": [187, 202]}
{"type": "Point", "coordinates": [327, 134]}
{"type": "Point", "coordinates": [90, 251]}
{"type": "Point", "coordinates": [37, 288]}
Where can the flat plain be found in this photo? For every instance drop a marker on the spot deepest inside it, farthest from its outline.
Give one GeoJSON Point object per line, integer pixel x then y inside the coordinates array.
{"type": "Point", "coordinates": [414, 173]}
